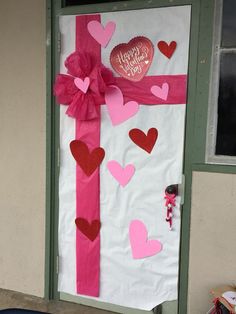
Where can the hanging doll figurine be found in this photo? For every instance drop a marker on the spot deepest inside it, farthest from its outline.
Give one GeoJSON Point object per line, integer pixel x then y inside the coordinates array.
{"type": "Point", "coordinates": [170, 196]}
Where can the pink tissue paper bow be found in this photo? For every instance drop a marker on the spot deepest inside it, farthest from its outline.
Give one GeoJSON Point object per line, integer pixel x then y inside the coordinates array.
{"type": "Point", "coordinates": [82, 106]}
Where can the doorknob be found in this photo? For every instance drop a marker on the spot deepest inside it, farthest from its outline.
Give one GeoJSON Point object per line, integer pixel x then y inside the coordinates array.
{"type": "Point", "coordinates": [171, 192]}
{"type": "Point", "coordinates": [172, 189]}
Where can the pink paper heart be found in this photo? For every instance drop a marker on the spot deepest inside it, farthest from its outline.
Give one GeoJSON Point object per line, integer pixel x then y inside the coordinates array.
{"type": "Point", "coordinates": [140, 245]}
{"type": "Point", "coordinates": [160, 92]}
{"type": "Point", "coordinates": [101, 34]}
{"type": "Point", "coordinates": [122, 175]}
{"type": "Point", "coordinates": [118, 111]}
{"type": "Point", "coordinates": [83, 85]}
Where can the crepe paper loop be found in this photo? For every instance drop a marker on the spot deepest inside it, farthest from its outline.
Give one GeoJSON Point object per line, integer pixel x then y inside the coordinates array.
{"type": "Point", "coordinates": [170, 199]}
{"type": "Point", "coordinates": [170, 204]}
{"type": "Point", "coordinates": [83, 85]}
{"type": "Point", "coordinates": [101, 34]}
{"type": "Point", "coordinates": [167, 49]}
{"type": "Point", "coordinates": [83, 88]}
{"type": "Point", "coordinates": [146, 142]}
{"type": "Point", "coordinates": [122, 175]}
{"type": "Point", "coordinates": [88, 161]}
{"type": "Point", "coordinates": [140, 245]}
{"type": "Point", "coordinates": [90, 230]}
{"type": "Point", "coordinates": [160, 92]}
{"type": "Point", "coordinates": [118, 111]}
{"type": "Point", "coordinates": [132, 60]}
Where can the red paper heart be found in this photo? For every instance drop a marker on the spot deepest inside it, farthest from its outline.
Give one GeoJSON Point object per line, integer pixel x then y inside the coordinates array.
{"type": "Point", "coordinates": [144, 141]}
{"type": "Point", "coordinates": [89, 230]}
{"type": "Point", "coordinates": [166, 49]}
{"type": "Point", "coordinates": [88, 161]}
{"type": "Point", "coordinates": [132, 60]}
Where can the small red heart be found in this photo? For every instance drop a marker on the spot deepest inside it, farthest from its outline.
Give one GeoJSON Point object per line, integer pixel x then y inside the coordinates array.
{"type": "Point", "coordinates": [144, 141]}
{"type": "Point", "coordinates": [166, 49]}
{"type": "Point", "coordinates": [88, 161]}
{"type": "Point", "coordinates": [89, 230]}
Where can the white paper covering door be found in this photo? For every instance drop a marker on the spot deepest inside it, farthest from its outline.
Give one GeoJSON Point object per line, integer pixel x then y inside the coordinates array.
{"type": "Point", "coordinates": [137, 283]}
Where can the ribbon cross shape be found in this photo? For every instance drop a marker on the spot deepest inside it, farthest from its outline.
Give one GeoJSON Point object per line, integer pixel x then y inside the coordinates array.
{"type": "Point", "coordinates": [85, 108]}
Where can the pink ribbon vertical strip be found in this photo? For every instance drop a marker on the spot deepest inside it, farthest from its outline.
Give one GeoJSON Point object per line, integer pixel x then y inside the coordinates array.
{"type": "Point", "coordinates": [87, 207]}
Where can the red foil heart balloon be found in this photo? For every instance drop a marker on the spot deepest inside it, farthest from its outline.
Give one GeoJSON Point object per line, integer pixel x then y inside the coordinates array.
{"type": "Point", "coordinates": [132, 60]}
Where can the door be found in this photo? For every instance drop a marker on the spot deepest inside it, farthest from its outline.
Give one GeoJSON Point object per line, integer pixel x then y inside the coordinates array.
{"type": "Point", "coordinates": [123, 87]}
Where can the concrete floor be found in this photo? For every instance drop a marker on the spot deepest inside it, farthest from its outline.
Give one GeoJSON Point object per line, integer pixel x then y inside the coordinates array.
{"type": "Point", "coordinates": [11, 299]}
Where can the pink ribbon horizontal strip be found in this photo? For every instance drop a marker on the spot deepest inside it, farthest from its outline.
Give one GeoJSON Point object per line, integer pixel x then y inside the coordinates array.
{"type": "Point", "coordinates": [141, 91]}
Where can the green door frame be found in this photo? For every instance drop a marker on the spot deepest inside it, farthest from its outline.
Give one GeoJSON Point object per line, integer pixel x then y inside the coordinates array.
{"type": "Point", "coordinates": [195, 132]}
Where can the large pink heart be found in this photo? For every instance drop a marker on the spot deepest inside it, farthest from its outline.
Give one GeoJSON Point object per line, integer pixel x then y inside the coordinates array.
{"type": "Point", "coordinates": [132, 60]}
{"type": "Point", "coordinates": [118, 111]}
{"type": "Point", "coordinates": [101, 34]}
{"type": "Point", "coordinates": [140, 245]}
{"type": "Point", "coordinates": [122, 175]}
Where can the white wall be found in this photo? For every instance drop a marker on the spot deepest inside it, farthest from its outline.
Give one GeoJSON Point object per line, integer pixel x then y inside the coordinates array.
{"type": "Point", "coordinates": [22, 145]}
{"type": "Point", "coordinates": [212, 239]}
